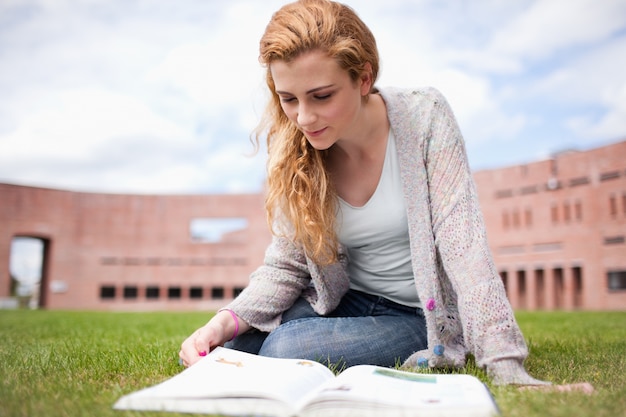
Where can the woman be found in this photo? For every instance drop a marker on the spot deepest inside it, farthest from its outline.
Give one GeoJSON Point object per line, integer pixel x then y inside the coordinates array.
{"type": "Point", "coordinates": [379, 253]}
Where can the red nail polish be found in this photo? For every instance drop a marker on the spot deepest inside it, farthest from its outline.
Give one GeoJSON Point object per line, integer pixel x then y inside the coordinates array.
{"type": "Point", "coordinates": [202, 353]}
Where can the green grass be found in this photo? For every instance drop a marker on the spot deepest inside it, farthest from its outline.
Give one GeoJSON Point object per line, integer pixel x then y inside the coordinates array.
{"type": "Point", "coordinates": [55, 363]}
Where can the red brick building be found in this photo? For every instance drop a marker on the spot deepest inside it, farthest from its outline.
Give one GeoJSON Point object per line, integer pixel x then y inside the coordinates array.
{"type": "Point", "coordinates": [557, 229]}
{"type": "Point", "coordinates": [135, 252]}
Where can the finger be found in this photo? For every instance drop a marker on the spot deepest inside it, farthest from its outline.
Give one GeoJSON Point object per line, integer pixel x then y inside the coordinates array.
{"type": "Point", "coordinates": [188, 352]}
{"type": "Point", "coordinates": [202, 343]}
{"type": "Point", "coordinates": [584, 387]}
{"type": "Point", "coordinates": [181, 360]}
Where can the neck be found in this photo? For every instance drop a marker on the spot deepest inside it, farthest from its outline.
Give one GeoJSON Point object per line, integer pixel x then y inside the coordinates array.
{"type": "Point", "coordinates": [369, 136]}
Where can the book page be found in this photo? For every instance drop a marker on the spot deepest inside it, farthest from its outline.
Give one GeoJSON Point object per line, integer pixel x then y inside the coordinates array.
{"type": "Point", "coordinates": [369, 390]}
{"type": "Point", "coordinates": [226, 373]}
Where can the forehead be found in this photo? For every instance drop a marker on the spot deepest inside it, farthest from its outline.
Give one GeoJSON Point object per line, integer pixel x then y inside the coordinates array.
{"type": "Point", "coordinates": [308, 70]}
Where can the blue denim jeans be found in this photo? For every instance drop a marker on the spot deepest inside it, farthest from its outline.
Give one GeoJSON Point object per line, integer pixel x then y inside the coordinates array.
{"type": "Point", "coordinates": [364, 329]}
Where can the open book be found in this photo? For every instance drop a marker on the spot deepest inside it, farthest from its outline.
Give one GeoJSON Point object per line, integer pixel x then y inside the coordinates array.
{"type": "Point", "coordinates": [232, 383]}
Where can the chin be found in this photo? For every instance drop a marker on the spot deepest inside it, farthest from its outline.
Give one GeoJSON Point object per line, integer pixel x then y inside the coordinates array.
{"type": "Point", "coordinates": [320, 146]}
{"type": "Point", "coordinates": [321, 142]}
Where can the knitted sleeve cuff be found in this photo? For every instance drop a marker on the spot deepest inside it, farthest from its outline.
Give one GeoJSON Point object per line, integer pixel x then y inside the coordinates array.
{"type": "Point", "coordinates": [511, 371]}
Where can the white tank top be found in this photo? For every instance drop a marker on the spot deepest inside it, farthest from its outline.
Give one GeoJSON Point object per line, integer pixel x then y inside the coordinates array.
{"type": "Point", "coordinates": [377, 238]}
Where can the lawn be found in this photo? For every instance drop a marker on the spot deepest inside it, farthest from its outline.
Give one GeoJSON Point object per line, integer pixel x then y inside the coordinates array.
{"type": "Point", "coordinates": [57, 363]}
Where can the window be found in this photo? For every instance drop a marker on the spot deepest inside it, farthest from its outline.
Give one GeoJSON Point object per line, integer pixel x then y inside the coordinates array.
{"type": "Point", "coordinates": [614, 240]}
{"type": "Point", "coordinates": [579, 181]}
{"type": "Point", "coordinates": [566, 212]}
{"type": "Point", "coordinates": [609, 176]}
{"type": "Point", "coordinates": [515, 219]}
{"type": "Point", "coordinates": [107, 292]}
{"type": "Point", "coordinates": [505, 219]}
{"type": "Point", "coordinates": [173, 292]}
{"type": "Point", "coordinates": [554, 211]}
{"type": "Point", "coordinates": [152, 292]}
{"type": "Point", "coordinates": [217, 293]}
{"type": "Point", "coordinates": [528, 217]}
{"type": "Point", "coordinates": [240, 261]}
{"type": "Point", "coordinates": [532, 189]}
{"type": "Point", "coordinates": [130, 292]}
{"type": "Point", "coordinates": [108, 260]}
{"type": "Point", "coordinates": [616, 280]}
{"type": "Point", "coordinates": [578, 210]}
{"type": "Point", "coordinates": [195, 292]}
{"type": "Point", "coordinates": [547, 247]}
{"type": "Point", "coordinates": [132, 261]}
{"type": "Point", "coordinates": [220, 261]}
{"type": "Point", "coordinates": [511, 250]}
{"type": "Point", "coordinates": [237, 291]}
{"type": "Point", "coordinates": [504, 193]}
{"type": "Point", "coordinates": [213, 230]}
{"type": "Point", "coordinates": [613, 205]}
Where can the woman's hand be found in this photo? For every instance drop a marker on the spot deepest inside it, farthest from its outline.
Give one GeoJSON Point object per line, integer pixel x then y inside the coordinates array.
{"type": "Point", "coordinates": [216, 332]}
{"type": "Point", "coordinates": [201, 342]}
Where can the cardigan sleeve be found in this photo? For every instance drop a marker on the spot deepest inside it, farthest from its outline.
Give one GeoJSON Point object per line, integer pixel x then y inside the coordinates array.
{"type": "Point", "coordinates": [489, 327]}
{"type": "Point", "coordinates": [274, 286]}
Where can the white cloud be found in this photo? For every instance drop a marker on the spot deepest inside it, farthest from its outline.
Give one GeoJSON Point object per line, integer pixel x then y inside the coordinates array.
{"type": "Point", "coordinates": [77, 123]}
{"type": "Point", "coordinates": [542, 30]}
{"type": "Point", "coordinates": [610, 125]}
{"type": "Point", "coordinates": [594, 79]}
{"type": "Point", "coordinates": [548, 26]}
{"type": "Point", "coordinates": [151, 96]}
{"type": "Point", "coordinates": [471, 95]}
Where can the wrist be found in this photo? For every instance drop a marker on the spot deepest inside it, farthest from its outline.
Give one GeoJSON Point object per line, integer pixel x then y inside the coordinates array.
{"type": "Point", "coordinates": [230, 322]}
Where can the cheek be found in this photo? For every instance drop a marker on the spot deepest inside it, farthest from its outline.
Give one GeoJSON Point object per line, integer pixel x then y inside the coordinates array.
{"type": "Point", "coordinates": [341, 112]}
{"type": "Point", "coordinates": [333, 112]}
{"type": "Point", "coordinates": [289, 111]}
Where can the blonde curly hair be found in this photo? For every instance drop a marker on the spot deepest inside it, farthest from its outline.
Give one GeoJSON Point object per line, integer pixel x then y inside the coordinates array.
{"type": "Point", "coordinates": [301, 202]}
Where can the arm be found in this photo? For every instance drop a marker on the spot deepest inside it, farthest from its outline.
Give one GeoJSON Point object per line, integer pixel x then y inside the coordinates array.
{"type": "Point", "coordinates": [489, 326]}
{"type": "Point", "coordinates": [273, 288]}
{"type": "Point", "coordinates": [220, 329]}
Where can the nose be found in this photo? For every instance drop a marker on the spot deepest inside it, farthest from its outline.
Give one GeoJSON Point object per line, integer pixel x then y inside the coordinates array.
{"type": "Point", "coordinates": [306, 115]}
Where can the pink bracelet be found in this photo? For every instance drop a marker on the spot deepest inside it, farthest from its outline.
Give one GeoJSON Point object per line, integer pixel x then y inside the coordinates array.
{"type": "Point", "coordinates": [232, 313]}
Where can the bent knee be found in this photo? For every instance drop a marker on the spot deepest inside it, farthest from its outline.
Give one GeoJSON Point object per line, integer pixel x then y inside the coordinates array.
{"type": "Point", "coordinates": [292, 340]}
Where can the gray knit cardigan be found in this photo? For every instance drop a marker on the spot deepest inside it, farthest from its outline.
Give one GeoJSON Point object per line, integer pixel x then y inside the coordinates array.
{"type": "Point", "coordinates": [464, 301]}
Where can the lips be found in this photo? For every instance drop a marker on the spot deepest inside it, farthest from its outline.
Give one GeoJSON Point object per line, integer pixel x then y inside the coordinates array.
{"type": "Point", "coordinates": [314, 133]}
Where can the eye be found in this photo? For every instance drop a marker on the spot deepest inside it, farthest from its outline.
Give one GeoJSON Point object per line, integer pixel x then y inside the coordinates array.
{"type": "Point", "coordinates": [324, 96]}
{"type": "Point", "coordinates": [287, 99]}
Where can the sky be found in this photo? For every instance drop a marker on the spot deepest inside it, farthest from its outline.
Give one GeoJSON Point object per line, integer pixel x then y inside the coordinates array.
{"type": "Point", "coordinates": [161, 97]}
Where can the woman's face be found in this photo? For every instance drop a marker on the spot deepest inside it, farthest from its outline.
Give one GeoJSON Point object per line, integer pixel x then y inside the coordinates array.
{"type": "Point", "coordinates": [320, 97]}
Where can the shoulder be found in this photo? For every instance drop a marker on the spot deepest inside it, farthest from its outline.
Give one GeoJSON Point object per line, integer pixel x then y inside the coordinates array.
{"type": "Point", "coordinates": [414, 107]}
{"type": "Point", "coordinates": [413, 110]}
{"type": "Point", "coordinates": [396, 97]}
